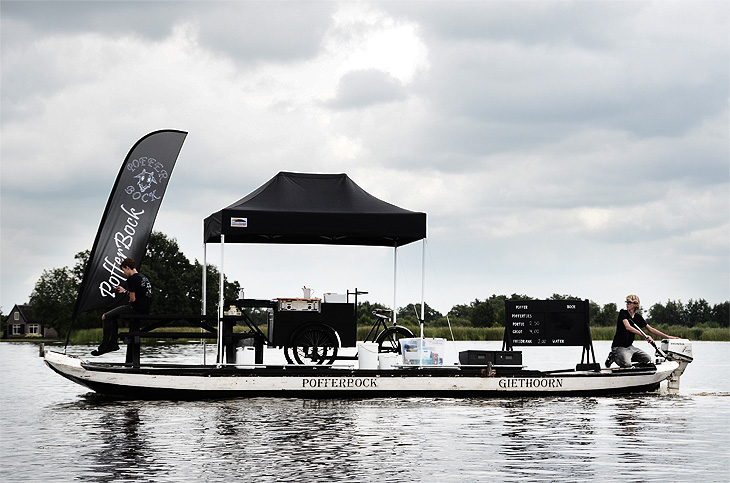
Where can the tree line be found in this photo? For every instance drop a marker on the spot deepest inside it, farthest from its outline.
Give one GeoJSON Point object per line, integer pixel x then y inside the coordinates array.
{"type": "Point", "coordinates": [177, 285]}
{"type": "Point", "coordinates": [490, 313]}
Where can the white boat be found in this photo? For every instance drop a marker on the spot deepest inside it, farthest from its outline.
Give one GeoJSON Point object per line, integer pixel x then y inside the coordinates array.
{"type": "Point", "coordinates": [169, 381]}
{"type": "Point", "coordinates": [296, 208]}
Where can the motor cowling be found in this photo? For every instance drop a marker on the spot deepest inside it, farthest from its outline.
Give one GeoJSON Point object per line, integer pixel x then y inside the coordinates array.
{"type": "Point", "coordinates": [679, 350]}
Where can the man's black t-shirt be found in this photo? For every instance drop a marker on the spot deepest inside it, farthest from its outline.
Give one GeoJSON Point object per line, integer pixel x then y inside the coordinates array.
{"type": "Point", "coordinates": [623, 337]}
{"type": "Point", "coordinates": [142, 288]}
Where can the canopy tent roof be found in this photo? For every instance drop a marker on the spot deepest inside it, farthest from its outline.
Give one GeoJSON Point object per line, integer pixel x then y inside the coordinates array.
{"type": "Point", "coordinates": [303, 208]}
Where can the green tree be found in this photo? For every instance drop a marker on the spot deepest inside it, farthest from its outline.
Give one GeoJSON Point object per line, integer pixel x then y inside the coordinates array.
{"type": "Point", "coordinates": [461, 311]}
{"type": "Point", "coordinates": [721, 314]}
{"type": "Point", "coordinates": [698, 312]}
{"type": "Point", "coordinates": [166, 267]}
{"type": "Point", "coordinates": [479, 313]}
{"type": "Point", "coordinates": [483, 314]}
{"type": "Point", "coordinates": [175, 283]}
{"type": "Point", "coordinates": [675, 312]}
{"type": "Point", "coordinates": [658, 315]}
{"type": "Point", "coordinates": [194, 283]}
{"type": "Point", "coordinates": [53, 297]}
{"type": "Point", "coordinates": [606, 316]}
{"type": "Point", "coordinates": [82, 258]}
{"type": "Point", "coordinates": [412, 311]}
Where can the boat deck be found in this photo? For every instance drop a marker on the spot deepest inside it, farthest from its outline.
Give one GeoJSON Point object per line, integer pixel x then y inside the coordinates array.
{"type": "Point", "coordinates": [274, 370]}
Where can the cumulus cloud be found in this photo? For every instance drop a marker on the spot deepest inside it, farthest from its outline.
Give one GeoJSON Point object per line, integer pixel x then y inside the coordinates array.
{"type": "Point", "coordinates": [262, 31]}
{"type": "Point", "coordinates": [547, 141]}
{"type": "Point", "coordinates": [365, 88]}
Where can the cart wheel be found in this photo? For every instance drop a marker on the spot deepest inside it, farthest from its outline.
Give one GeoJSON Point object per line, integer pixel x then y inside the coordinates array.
{"type": "Point", "coordinates": [389, 339]}
{"type": "Point", "coordinates": [313, 344]}
{"type": "Point", "coordinates": [288, 353]}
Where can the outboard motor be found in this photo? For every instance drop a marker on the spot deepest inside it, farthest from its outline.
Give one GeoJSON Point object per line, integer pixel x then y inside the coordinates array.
{"type": "Point", "coordinates": [679, 350]}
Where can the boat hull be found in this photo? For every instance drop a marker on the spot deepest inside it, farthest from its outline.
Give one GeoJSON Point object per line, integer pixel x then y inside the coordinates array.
{"type": "Point", "coordinates": [202, 382]}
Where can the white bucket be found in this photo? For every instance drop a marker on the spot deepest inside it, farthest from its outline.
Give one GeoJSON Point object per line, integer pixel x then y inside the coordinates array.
{"type": "Point", "coordinates": [387, 360]}
{"type": "Point", "coordinates": [367, 355]}
{"type": "Point", "coordinates": [245, 356]}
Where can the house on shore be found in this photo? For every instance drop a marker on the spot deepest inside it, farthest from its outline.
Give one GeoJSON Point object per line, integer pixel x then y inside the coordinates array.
{"type": "Point", "coordinates": [22, 323]}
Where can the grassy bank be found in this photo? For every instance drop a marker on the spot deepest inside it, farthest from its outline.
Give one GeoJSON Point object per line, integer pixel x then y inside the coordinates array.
{"type": "Point", "coordinates": [93, 336]}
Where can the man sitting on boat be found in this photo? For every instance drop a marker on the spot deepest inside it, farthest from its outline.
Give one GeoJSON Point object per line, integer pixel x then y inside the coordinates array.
{"type": "Point", "coordinates": [623, 351]}
{"type": "Point", "coordinates": [140, 302]}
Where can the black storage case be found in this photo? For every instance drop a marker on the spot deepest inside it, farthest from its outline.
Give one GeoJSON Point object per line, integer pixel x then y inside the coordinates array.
{"type": "Point", "coordinates": [508, 358]}
{"type": "Point", "coordinates": [476, 358]}
{"type": "Point", "coordinates": [482, 358]}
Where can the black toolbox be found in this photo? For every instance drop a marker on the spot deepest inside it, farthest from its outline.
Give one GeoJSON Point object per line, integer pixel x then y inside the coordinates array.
{"type": "Point", "coordinates": [508, 358]}
{"type": "Point", "coordinates": [482, 358]}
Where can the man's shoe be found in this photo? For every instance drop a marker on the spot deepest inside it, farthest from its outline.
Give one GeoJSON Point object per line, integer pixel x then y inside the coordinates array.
{"type": "Point", "coordinates": [103, 350]}
{"type": "Point", "coordinates": [609, 360]}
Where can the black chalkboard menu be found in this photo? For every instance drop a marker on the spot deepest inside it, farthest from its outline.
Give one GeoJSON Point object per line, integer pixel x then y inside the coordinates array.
{"type": "Point", "coordinates": [546, 322]}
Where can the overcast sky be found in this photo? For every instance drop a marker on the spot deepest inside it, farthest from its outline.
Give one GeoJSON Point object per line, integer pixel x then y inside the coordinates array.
{"type": "Point", "coordinates": [557, 147]}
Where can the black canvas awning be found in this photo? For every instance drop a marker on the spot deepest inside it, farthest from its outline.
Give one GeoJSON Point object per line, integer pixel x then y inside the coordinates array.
{"type": "Point", "coordinates": [302, 208]}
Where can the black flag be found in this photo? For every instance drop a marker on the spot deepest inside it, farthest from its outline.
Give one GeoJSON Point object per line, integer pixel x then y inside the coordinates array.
{"type": "Point", "coordinates": [129, 216]}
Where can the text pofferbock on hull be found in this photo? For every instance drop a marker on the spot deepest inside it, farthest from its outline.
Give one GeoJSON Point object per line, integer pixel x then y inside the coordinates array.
{"type": "Point", "coordinates": [339, 383]}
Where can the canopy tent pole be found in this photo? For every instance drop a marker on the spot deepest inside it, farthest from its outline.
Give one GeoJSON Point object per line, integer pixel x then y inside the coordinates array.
{"type": "Point", "coordinates": [423, 285]}
{"type": "Point", "coordinates": [204, 286]}
{"type": "Point", "coordinates": [221, 358]}
{"type": "Point", "coordinates": [395, 275]}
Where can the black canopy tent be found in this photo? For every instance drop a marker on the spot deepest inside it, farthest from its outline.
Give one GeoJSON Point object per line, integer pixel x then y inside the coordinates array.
{"type": "Point", "coordinates": [330, 209]}
{"type": "Point", "coordinates": [306, 208]}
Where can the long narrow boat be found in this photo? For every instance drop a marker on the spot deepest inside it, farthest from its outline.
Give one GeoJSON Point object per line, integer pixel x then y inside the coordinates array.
{"type": "Point", "coordinates": [301, 208]}
{"type": "Point", "coordinates": [169, 381]}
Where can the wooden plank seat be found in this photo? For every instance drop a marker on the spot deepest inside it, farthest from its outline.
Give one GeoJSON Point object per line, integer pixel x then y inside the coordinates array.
{"type": "Point", "coordinates": [133, 337]}
{"type": "Point", "coordinates": [135, 334]}
{"type": "Point", "coordinates": [168, 335]}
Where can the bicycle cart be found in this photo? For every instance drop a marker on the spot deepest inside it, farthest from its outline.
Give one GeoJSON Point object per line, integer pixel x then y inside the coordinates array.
{"type": "Point", "coordinates": [311, 331]}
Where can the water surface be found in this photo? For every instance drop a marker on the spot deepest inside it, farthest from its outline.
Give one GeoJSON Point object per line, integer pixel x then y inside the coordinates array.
{"type": "Point", "coordinates": [55, 430]}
